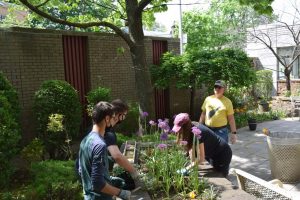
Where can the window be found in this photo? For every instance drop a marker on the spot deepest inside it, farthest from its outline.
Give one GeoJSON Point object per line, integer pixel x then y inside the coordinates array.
{"type": "Point", "coordinates": [286, 54]}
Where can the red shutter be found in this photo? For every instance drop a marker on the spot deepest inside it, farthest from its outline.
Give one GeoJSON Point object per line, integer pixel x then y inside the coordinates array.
{"type": "Point", "coordinates": [162, 97]}
{"type": "Point", "coordinates": [76, 68]}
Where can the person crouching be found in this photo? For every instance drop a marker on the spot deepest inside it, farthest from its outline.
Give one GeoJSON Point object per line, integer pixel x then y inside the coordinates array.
{"type": "Point", "coordinates": [211, 146]}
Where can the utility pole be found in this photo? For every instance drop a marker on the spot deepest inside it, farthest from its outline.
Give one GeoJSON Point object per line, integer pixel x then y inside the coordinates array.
{"type": "Point", "coordinates": [180, 28]}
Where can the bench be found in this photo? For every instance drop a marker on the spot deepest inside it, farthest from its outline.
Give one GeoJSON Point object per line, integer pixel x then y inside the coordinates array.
{"type": "Point", "coordinates": [260, 188]}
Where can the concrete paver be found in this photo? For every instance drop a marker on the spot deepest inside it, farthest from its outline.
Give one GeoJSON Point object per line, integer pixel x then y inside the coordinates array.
{"type": "Point", "coordinates": [250, 153]}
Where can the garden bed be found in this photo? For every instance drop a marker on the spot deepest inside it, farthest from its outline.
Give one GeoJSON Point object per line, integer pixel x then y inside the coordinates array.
{"type": "Point", "coordinates": [211, 184]}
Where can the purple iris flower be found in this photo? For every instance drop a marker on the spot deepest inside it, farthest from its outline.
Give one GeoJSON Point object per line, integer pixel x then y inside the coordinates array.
{"type": "Point", "coordinates": [162, 146]}
{"type": "Point", "coordinates": [159, 120]}
{"type": "Point", "coordinates": [152, 123]}
{"type": "Point", "coordinates": [197, 132]}
{"type": "Point", "coordinates": [183, 142]}
{"type": "Point", "coordinates": [166, 120]}
{"type": "Point", "coordinates": [163, 125]}
{"type": "Point", "coordinates": [164, 136]}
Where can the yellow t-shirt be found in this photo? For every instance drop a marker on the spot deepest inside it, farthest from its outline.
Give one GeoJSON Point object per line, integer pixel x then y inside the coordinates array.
{"type": "Point", "coordinates": [217, 111]}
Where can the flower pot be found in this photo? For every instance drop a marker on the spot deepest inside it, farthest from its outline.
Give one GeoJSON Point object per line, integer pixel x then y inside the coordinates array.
{"type": "Point", "coordinates": [263, 107]}
{"type": "Point", "coordinates": [252, 124]}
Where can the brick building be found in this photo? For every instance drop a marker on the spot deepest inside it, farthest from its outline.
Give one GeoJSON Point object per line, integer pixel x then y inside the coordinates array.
{"type": "Point", "coordinates": [86, 60]}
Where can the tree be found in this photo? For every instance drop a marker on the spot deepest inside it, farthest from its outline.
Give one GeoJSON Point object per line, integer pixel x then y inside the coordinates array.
{"type": "Point", "coordinates": [265, 37]}
{"type": "Point", "coordinates": [194, 69]}
{"type": "Point", "coordinates": [224, 24]}
{"type": "Point", "coordinates": [132, 13]}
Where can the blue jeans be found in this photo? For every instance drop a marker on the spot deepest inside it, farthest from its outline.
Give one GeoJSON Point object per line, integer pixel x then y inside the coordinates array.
{"type": "Point", "coordinates": [223, 133]}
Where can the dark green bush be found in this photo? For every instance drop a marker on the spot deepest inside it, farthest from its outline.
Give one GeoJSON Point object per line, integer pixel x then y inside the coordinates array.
{"type": "Point", "coordinates": [34, 151]}
{"type": "Point", "coordinates": [50, 180]}
{"type": "Point", "coordinates": [131, 124]}
{"type": "Point", "coordinates": [57, 97]}
{"type": "Point", "coordinates": [96, 95]}
{"type": "Point", "coordinates": [9, 129]}
{"type": "Point", "coordinates": [121, 138]}
{"type": "Point", "coordinates": [7, 90]}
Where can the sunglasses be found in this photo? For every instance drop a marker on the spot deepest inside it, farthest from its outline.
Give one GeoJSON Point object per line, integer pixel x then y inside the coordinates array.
{"type": "Point", "coordinates": [218, 87]}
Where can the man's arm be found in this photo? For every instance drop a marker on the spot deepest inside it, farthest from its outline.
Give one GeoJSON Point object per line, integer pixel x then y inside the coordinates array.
{"type": "Point", "coordinates": [232, 123]}
{"type": "Point", "coordinates": [111, 190]}
{"type": "Point", "coordinates": [98, 172]}
{"type": "Point", "coordinates": [120, 158]}
{"type": "Point", "coordinates": [233, 137]}
{"type": "Point", "coordinates": [202, 117]}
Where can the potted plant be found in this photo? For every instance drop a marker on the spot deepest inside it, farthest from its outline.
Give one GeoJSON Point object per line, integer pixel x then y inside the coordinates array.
{"type": "Point", "coordinates": [252, 123]}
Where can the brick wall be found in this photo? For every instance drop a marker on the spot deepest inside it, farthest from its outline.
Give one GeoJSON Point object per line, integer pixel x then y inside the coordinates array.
{"type": "Point", "coordinates": [27, 60]}
{"type": "Point", "coordinates": [295, 87]}
{"type": "Point", "coordinates": [28, 57]}
{"type": "Point", "coordinates": [111, 69]}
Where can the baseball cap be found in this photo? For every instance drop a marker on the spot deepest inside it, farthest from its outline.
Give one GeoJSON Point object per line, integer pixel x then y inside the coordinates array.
{"type": "Point", "coordinates": [220, 83]}
{"type": "Point", "coordinates": [179, 121]}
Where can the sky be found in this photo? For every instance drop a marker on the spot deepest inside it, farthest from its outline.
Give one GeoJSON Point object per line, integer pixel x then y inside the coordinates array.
{"type": "Point", "coordinates": [283, 8]}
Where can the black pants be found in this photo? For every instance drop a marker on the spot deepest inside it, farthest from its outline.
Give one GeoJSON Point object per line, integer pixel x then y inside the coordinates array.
{"type": "Point", "coordinates": [221, 161]}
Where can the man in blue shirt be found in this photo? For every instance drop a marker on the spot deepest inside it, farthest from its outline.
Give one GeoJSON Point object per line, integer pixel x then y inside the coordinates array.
{"type": "Point", "coordinates": [93, 161]}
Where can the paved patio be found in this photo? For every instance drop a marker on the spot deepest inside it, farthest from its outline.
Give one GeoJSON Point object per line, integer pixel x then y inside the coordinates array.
{"type": "Point", "coordinates": [251, 155]}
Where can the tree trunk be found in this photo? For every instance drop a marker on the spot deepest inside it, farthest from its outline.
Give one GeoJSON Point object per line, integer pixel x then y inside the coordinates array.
{"type": "Point", "coordinates": [192, 98]}
{"type": "Point", "coordinates": [142, 73]}
{"type": "Point", "coordinates": [287, 74]}
{"type": "Point", "coordinates": [192, 102]}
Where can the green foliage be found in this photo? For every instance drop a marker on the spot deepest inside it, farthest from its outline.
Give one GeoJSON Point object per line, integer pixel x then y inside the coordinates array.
{"type": "Point", "coordinates": [205, 67]}
{"type": "Point", "coordinates": [117, 171]}
{"type": "Point", "coordinates": [131, 124]}
{"type": "Point", "coordinates": [162, 176]}
{"type": "Point", "coordinates": [241, 119]}
{"type": "Point", "coordinates": [7, 90]}
{"type": "Point", "coordinates": [264, 84]}
{"type": "Point", "coordinates": [88, 11]}
{"type": "Point", "coordinates": [57, 97]}
{"type": "Point", "coordinates": [224, 24]}
{"type": "Point", "coordinates": [55, 123]}
{"type": "Point", "coordinates": [96, 95]}
{"type": "Point", "coordinates": [287, 93]}
{"type": "Point", "coordinates": [51, 180]}
{"type": "Point", "coordinates": [262, 6]}
{"type": "Point", "coordinates": [34, 151]}
{"type": "Point", "coordinates": [121, 138]}
{"type": "Point", "coordinates": [9, 129]}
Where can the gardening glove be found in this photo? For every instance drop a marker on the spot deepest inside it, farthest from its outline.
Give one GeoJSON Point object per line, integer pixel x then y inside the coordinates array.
{"type": "Point", "coordinates": [233, 138]}
{"type": "Point", "coordinates": [125, 194]}
{"type": "Point", "coordinates": [183, 172]}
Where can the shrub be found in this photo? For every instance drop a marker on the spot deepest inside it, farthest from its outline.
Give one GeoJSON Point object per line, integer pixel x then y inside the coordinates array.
{"type": "Point", "coordinates": [121, 138]}
{"type": "Point", "coordinates": [131, 124]}
{"type": "Point", "coordinates": [57, 97]}
{"type": "Point", "coordinates": [34, 151]}
{"type": "Point", "coordinates": [264, 84]}
{"type": "Point", "coordinates": [7, 90]}
{"type": "Point", "coordinates": [241, 119]}
{"type": "Point", "coordinates": [9, 129]}
{"type": "Point", "coordinates": [51, 180]}
{"type": "Point", "coordinates": [96, 95]}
